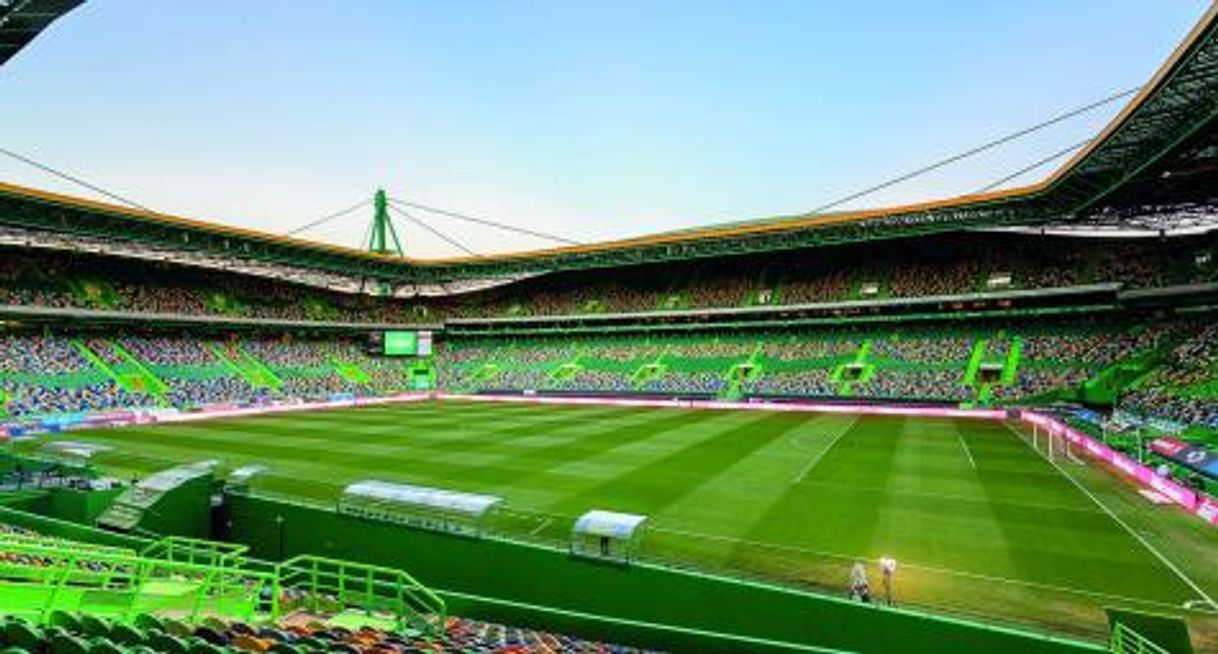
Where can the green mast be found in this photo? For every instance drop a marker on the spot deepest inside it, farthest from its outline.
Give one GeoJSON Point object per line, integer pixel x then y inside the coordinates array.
{"type": "Point", "coordinates": [383, 238]}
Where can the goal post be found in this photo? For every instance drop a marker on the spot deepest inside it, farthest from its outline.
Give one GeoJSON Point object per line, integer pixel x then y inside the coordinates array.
{"type": "Point", "coordinates": [1054, 443]}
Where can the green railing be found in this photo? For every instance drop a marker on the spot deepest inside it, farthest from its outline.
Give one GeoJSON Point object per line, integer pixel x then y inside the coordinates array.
{"type": "Point", "coordinates": [196, 551]}
{"type": "Point", "coordinates": [1125, 640]}
{"type": "Point", "coordinates": [195, 578]}
{"type": "Point", "coordinates": [42, 576]}
{"type": "Point", "coordinates": [369, 587]}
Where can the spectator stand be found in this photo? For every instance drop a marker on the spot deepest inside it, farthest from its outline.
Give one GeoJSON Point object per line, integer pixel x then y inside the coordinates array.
{"type": "Point", "coordinates": [607, 536]}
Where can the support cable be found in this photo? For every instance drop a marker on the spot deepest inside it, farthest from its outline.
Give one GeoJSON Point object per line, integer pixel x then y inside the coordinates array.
{"type": "Point", "coordinates": [1034, 165]}
{"type": "Point", "coordinates": [327, 218]}
{"type": "Point", "coordinates": [482, 221]}
{"type": "Point", "coordinates": [75, 180]}
{"type": "Point", "coordinates": [435, 232]}
{"type": "Point", "coordinates": [976, 150]}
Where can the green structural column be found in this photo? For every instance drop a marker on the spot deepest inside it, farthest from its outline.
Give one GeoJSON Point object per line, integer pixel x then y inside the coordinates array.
{"type": "Point", "coordinates": [383, 238]}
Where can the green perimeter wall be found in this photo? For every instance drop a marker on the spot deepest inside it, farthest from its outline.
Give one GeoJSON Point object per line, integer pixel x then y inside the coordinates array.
{"type": "Point", "coordinates": [77, 506]}
{"type": "Point", "coordinates": [514, 582]}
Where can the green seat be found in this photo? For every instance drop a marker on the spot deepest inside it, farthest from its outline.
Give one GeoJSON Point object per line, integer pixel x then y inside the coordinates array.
{"type": "Point", "coordinates": [94, 627]}
{"type": "Point", "coordinates": [147, 622]}
{"type": "Point", "coordinates": [204, 647]}
{"type": "Point", "coordinates": [19, 633]}
{"type": "Point", "coordinates": [102, 645]}
{"type": "Point", "coordinates": [167, 643]}
{"type": "Point", "coordinates": [127, 635]}
{"type": "Point", "coordinates": [177, 627]}
{"type": "Point", "coordinates": [66, 620]}
{"type": "Point", "coordinates": [215, 623]}
{"type": "Point", "coordinates": [68, 644]}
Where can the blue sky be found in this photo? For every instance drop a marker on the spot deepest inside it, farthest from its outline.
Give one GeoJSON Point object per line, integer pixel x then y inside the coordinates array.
{"type": "Point", "coordinates": [586, 119]}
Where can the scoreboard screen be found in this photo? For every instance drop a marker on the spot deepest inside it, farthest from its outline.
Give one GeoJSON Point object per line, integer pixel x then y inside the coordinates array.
{"type": "Point", "coordinates": [406, 344]}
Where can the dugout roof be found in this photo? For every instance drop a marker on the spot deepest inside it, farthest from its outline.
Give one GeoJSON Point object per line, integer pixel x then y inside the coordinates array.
{"type": "Point", "coordinates": [437, 499]}
{"type": "Point", "coordinates": [609, 524]}
{"type": "Point", "coordinates": [1162, 143]}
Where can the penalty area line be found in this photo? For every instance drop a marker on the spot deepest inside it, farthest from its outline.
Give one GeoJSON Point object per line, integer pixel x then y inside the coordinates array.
{"type": "Point", "coordinates": [967, 452]}
{"type": "Point", "coordinates": [1138, 537]}
{"type": "Point", "coordinates": [820, 455]}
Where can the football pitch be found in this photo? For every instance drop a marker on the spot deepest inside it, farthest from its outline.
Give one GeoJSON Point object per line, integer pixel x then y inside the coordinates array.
{"type": "Point", "coordinates": [979, 521]}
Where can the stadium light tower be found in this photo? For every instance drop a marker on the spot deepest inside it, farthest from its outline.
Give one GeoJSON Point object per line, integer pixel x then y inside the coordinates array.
{"type": "Point", "coordinates": [383, 238]}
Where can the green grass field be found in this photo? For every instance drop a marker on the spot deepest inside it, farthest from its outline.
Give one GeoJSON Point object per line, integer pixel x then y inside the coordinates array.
{"type": "Point", "coordinates": [980, 522]}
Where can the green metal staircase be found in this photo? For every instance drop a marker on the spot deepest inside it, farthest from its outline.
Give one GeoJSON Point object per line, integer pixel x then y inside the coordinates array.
{"type": "Point", "coordinates": [130, 374]}
{"type": "Point", "coordinates": [253, 371]}
{"type": "Point", "coordinates": [845, 387]}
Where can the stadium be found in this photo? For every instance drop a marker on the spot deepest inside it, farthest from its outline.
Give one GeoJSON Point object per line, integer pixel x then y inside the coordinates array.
{"type": "Point", "coordinates": [987, 423]}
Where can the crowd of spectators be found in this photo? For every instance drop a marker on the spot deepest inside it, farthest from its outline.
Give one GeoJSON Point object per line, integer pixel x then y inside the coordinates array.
{"type": "Point", "coordinates": [915, 385]}
{"type": "Point", "coordinates": [1034, 380]}
{"type": "Point", "coordinates": [1185, 389]}
{"type": "Point", "coordinates": [913, 363]}
{"type": "Point", "coordinates": [815, 382]}
{"type": "Point", "coordinates": [596, 381]}
{"type": "Point", "coordinates": [862, 271]}
{"type": "Point", "coordinates": [685, 383]}
{"type": "Point", "coordinates": [45, 375]}
{"type": "Point", "coordinates": [68, 280]}
{"type": "Point", "coordinates": [924, 348]}
{"type": "Point", "coordinates": [1067, 357]}
{"type": "Point", "coordinates": [1093, 347]}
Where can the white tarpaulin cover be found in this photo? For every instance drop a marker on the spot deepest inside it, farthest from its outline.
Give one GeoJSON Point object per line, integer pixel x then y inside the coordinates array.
{"type": "Point", "coordinates": [421, 496]}
{"type": "Point", "coordinates": [609, 523]}
{"type": "Point", "coordinates": [73, 448]}
{"type": "Point", "coordinates": [244, 474]}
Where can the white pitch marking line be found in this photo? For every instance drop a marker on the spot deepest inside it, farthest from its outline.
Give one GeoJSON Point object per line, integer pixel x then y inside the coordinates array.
{"type": "Point", "coordinates": [950, 496]}
{"type": "Point", "coordinates": [540, 526]}
{"type": "Point", "coordinates": [1200, 605]}
{"type": "Point", "coordinates": [927, 568]}
{"type": "Point", "coordinates": [1151, 548]}
{"type": "Point", "coordinates": [967, 452]}
{"type": "Point", "coordinates": [816, 459]}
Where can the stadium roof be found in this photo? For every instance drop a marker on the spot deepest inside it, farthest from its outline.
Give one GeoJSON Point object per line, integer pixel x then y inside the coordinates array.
{"type": "Point", "coordinates": [1166, 129]}
{"type": "Point", "coordinates": [22, 20]}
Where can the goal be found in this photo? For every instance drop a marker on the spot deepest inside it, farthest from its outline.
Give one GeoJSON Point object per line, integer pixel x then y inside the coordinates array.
{"type": "Point", "coordinates": [1054, 443]}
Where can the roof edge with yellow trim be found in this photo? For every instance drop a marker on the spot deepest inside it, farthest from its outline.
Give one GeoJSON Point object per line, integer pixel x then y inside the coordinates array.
{"type": "Point", "coordinates": [1013, 202]}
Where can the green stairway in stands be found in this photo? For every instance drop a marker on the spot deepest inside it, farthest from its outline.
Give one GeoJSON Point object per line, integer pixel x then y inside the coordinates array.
{"type": "Point", "coordinates": [974, 362]}
{"type": "Point", "coordinates": [94, 293]}
{"type": "Point", "coordinates": [256, 373]}
{"type": "Point", "coordinates": [1010, 367]}
{"type": "Point", "coordinates": [351, 372]}
{"type": "Point", "coordinates": [135, 368]}
{"type": "Point", "coordinates": [259, 369]}
{"type": "Point", "coordinates": [747, 370]}
{"type": "Point", "coordinates": [845, 387]}
{"type": "Point", "coordinates": [1108, 384]}
{"type": "Point", "coordinates": [649, 371]}
{"type": "Point", "coordinates": [130, 374]}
